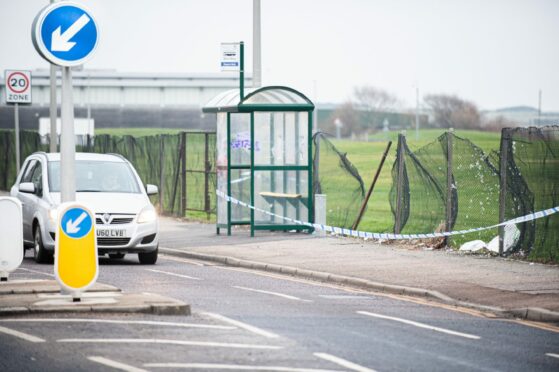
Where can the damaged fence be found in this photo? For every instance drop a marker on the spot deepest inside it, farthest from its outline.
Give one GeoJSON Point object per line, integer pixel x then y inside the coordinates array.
{"type": "Point", "coordinates": [452, 184]}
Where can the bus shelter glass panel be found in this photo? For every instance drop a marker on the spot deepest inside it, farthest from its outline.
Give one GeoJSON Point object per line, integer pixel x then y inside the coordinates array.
{"type": "Point", "coordinates": [240, 139]}
{"type": "Point", "coordinates": [221, 165]}
{"type": "Point", "coordinates": [281, 192]}
{"type": "Point", "coordinates": [281, 138]}
{"type": "Point", "coordinates": [240, 157]}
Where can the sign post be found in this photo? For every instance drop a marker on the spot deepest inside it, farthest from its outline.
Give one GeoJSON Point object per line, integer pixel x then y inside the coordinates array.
{"type": "Point", "coordinates": [66, 34]}
{"type": "Point", "coordinates": [233, 59]}
{"type": "Point", "coordinates": [75, 256]}
{"type": "Point", "coordinates": [11, 231]}
{"type": "Point", "coordinates": [18, 90]}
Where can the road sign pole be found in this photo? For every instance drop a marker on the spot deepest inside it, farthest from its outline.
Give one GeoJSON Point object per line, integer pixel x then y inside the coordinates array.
{"type": "Point", "coordinates": [16, 127]}
{"type": "Point", "coordinates": [67, 140]}
{"type": "Point", "coordinates": [242, 71]}
{"type": "Point", "coordinates": [53, 131]}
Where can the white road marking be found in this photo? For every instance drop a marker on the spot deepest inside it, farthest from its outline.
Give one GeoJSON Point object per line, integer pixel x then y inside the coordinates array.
{"type": "Point", "coordinates": [420, 325]}
{"type": "Point", "coordinates": [271, 293]}
{"type": "Point", "coordinates": [110, 321]}
{"type": "Point", "coordinates": [173, 274]}
{"type": "Point", "coordinates": [173, 258]}
{"type": "Point", "coordinates": [35, 271]}
{"type": "Point", "coordinates": [342, 362]}
{"type": "Point", "coordinates": [115, 364]}
{"type": "Point", "coordinates": [242, 325]}
{"type": "Point", "coordinates": [164, 341]}
{"type": "Point", "coordinates": [23, 336]}
{"type": "Point", "coordinates": [233, 367]}
{"type": "Point", "coordinates": [552, 355]}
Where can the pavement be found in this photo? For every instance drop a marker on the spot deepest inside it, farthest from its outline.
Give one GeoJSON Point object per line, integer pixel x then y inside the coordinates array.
{"type": "Point", "coordinates": [500, 286]}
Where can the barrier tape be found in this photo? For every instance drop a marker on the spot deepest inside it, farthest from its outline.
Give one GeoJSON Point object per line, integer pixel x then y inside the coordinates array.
{"type": "Point", "coordinates": [388, 236]}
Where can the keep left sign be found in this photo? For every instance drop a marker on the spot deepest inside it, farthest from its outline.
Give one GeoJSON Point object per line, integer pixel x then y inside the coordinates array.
{"type": "Point", "coordinates": [76, 263]}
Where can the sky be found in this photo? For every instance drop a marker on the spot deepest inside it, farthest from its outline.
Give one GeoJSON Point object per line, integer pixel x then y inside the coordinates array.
{"type": "Point", "coordinates": [496, 53]}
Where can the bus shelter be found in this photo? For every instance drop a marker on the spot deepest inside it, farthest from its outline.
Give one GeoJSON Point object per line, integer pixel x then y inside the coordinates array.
{"type": "Point", "coordinates": [264, 158]}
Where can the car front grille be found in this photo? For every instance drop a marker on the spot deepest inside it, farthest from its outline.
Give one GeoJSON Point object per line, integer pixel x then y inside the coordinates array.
{"type": "Point", "coordinates": [112, 241]}
{"type": "Point", "coordinates": [115, 221]}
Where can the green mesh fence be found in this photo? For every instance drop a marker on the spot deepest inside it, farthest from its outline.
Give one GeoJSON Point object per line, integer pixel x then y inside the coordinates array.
{"type": "Point", "coordinates": [335, 176]}
{"type": "Point", "coordinates": [155, 158]}
{"type": "Point", "coordinates": [531, 160]}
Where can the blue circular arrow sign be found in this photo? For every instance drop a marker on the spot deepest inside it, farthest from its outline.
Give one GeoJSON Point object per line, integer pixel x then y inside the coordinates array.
{"type": "Point", "coordinates": [65, 34]}
{"type": "Point", "coordinates": [76, 223]}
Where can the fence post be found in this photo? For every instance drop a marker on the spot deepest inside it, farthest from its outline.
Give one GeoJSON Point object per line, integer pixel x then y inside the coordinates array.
{"type": "Point", "coordinates": [449, 163]}
{"type": "Point", "coordinates": [400, 152]}
{"type": "Point", "coordinates": [161, 173]}
{"type": "Point", "coordinates": [206, 175]}
{"type": "Point", "coordinates": [320, 212]}
{"type": "Point", "coordinates": [88, 143]}
{"type": "Point", "coordinates": [504, 150]}
{"type": "Point", "coordinates": [183, 175]}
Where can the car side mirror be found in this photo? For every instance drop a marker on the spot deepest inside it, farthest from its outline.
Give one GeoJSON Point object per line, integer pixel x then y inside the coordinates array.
{"type": "Point", "coordinates": [27, 187]}
{"type": "Point", "coordinates": [151, 189]}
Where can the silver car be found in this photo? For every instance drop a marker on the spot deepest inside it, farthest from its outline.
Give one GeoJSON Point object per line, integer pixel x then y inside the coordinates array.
{"type": "Point", "coordinates": [125, 219]}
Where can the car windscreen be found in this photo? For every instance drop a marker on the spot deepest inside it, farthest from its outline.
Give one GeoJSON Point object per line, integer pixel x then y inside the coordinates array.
{"type": "Point", "coordinates": [97, 176]}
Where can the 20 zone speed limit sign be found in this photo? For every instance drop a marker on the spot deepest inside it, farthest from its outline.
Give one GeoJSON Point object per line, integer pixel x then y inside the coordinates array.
{"type": "Point", "coordinates": [18, 86]}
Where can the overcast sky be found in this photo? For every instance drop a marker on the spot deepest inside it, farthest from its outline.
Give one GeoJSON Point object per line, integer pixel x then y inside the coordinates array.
{"type": "Point", "coordinates": [494, 52]}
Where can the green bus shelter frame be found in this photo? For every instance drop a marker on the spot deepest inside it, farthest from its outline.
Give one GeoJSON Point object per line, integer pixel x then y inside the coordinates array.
{"type": "Point", "coordinates": [244, 105]}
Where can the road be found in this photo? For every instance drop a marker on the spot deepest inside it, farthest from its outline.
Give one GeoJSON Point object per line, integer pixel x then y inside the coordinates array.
{"type": "Point", "coordinates": [246, 320]}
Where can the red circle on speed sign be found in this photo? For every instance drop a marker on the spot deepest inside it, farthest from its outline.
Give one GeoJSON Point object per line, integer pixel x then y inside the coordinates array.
{"type": "Point", "coordinates": [17, 77]}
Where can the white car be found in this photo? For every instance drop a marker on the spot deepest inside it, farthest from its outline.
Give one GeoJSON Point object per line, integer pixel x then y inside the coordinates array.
{"type": "Point", "coordinates": [125, 219]}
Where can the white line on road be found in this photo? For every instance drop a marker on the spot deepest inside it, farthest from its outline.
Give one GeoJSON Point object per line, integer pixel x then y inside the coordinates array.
{"type": "Point", "coordinates": [552, 355]}
{"type": "Point", "coordinates": [35, 271]}
{"type": "Point", "coordinates": [342, 362]}
{"type": "Point", "coordinates": [242, 325]}
{"type": "Point", "coordinates": [173, 274]}
{"type": "Point", "coordinates": [420, 325]}
{"type": "Point", "coordinates": [115, 364]}
{"type": "Point", "coordinates": [233, 367]}
{"type": "Point", "coordinates": [271, 293]}
{"type": "Point", "coordinates": [110, 321]}
{"type": "Point", "coordinates": [164, 341]}
{"type": "Point", "coordinates": [173, 258]}
{"type": "Point", "coordinates": [23, 336]}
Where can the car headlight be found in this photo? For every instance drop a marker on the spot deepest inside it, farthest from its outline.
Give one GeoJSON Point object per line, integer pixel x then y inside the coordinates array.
{"type": "Point", "coordinates": [53, 214]}
{"type": "Point", "coordinates": [147, 215]}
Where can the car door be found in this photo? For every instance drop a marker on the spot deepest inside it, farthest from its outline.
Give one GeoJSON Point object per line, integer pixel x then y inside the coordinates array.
{"type": "Point", "coordinates": [27, 200]}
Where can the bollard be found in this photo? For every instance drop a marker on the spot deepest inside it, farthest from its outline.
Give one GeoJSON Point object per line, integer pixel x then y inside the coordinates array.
{"type": "Point", "coordinates": [320, 212]}
{"type": "Point", "coordinates": [11, 233]}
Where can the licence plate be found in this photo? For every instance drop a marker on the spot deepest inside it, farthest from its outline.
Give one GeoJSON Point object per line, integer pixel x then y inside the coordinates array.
{"type": "Point", "coordinates": [106, 233]}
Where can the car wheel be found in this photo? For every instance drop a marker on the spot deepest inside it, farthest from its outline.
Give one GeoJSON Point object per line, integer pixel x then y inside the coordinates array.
{"type": "Point", "coordinates": [116, 256]}
{"type": "Point", "coordinates": [39, 253]}
{"type": "Point", "coordinates": [148, 258]}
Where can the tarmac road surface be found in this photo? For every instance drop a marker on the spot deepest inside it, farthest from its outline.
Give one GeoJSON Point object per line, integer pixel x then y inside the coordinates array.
{"type": "Point", "coordinates": [245, 320]}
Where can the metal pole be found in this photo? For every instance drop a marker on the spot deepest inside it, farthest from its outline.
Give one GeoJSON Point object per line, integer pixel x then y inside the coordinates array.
{"type": "Point", "coordinates": [206, 175]}
{"type": "Point", "coordinates": [242, 71]}
{"type": "Point", "coordinates": [52, 111]}
{"type": "Point", "coordinates": [16, 128]}
{"type": "Point", "coordinates": [449, 184]}
{"type": "Point", "coordinates": [540, 107]}
{"type": "Point", "coordinates": [371, 188]}
{"type": "Point", "coordinates": [67, 140]}
{"type": "Point", "coordinates": [399, 191]}
{"type": "Point", "coordinates": [257, 45]}
{"type": "Point", "coordinates": [503, 186]}
{"type": "Point", "coordinates": [161, 173]}
{"type": "Point", "coordinates": [416, 113]}
{"type": "Point", "coordinates": [183, 175]}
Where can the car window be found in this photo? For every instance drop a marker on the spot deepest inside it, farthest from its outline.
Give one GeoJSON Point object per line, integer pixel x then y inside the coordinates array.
{"type": "Point", "coordinates": [97, 176]}
{"type": "Point", "coordinates": [37, 178]}
{"type": "Point", "coordinates": [28, 171]}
